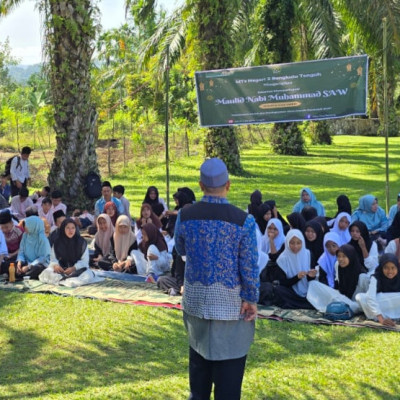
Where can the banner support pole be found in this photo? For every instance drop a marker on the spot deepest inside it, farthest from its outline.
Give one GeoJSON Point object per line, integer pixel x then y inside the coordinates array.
{"type": "Point", "coordinates": [385, 110]}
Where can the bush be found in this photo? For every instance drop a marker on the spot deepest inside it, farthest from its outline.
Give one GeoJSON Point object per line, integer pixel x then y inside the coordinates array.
{"type": "Point", "coordinates": [286, 138]}
{"type": "Point", "coordinates": [319, 133]}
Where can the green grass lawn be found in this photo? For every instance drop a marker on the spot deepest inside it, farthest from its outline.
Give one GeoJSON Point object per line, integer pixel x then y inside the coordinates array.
{"type": "Point", "coordinates": [68, 348]}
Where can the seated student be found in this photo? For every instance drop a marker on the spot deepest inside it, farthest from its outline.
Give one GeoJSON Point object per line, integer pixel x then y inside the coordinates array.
{"type": "Point", "coordinates": [255, 203]}
{"type": "Point", "coordinates": [292, 273]}
{"type": "Point", "coordinates": [122, 243]}
{"type": "Point", "coordinates": [181, 200]}
{"type": "Point", "coordinates": [382, 300]}
{"type": "Point", "coordinates": [82, 219]}
{"type": "Point", "coordinates": [157, 204]}
{"type": "Point", "coordinates": [34, 211]}
{"type": "Point", "coordinates": [326, 262]}
{"type": "Point", "coordinates": [39, 195]}
{"type": "Point", "coordinates": [264, 214]}
{"type": "Point", "coordinates": [106, 196]}
{"type": "Point", "coordinates": [189, 194]}
{"type": "Point", "coordinates": [314, 237]}
{"type": "Point", "coordinates": [34, 251]}
{"type": "Point", "coordinates": [57, 204]}
{"type": "Point", "coordinates": [20, 203]}
{"type": "Point", "coordinates": [366, 249]}
{"type": "Point", "coordinates": [58, 217]}
{"type": "Point", "coordinates": [343, 204]}
{"type": "Point", "coordinates": [111, 210]}
{"type": "Point", "coordinates": [118, 192]}
{"type": "Point", "coordinates": [45, 210]}
{"type": "Point", "coordinates": [69, 259]}
{"type": "Point", "coordinates": [3, 250]}
{"type": "Point", "coordinates": [324, 225]}
{"type": "Point", "coordinates": [147, 216]}
{"type": "Point", "coordinates": [350, 281]}
{"type": "Point", "coordinates": [173, 283]}
{"type": "Point", "coordinates": [296, 221]}
{"type": "Point", "coordinates": [307, 198]}
{"type": "Point", "coordinates": [341, 227]}
{"type": "Point", "coordinates": [373, 216]}
{"type": "Point", "coordinates": [152, 258]}
{"type": "Point", "coordinates": [393, 246]}
{"type": "Point", "coordinates": [394, 209]}
{"type": "Point", "coordinates": [13, 236]}
{"type": "Point", "coordinates": [277, 214]}
{"type": "Point", "coordinates": [309, 213]}
{"type": "Point", "coordinates": [102, 239]}
{"type": "Point", "coordinates": [5, 188]}
{"type": "Point", "coordinates": [273, 239]}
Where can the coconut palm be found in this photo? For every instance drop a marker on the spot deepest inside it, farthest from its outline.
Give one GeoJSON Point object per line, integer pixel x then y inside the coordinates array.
{"type": "Point", "coordinates": [69, 33]}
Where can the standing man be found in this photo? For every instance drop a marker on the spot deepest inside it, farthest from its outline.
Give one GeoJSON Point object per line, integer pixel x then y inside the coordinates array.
{"type": "Point", "coordinates": [220, 286]}
{"type": "Point", "coordinates": [19, 171]}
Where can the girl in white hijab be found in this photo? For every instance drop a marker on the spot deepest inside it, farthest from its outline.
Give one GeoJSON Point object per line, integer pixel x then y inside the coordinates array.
{"type": "Point", "coordinates": [295, 262]}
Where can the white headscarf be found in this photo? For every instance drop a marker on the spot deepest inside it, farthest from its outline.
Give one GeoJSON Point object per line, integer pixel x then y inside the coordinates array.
{"type": "Point", "coordinates": [327, 260]}
{"type": "Point", "coordinates": [279, 240]}
{"type": "Point", "coordinates": [344, 236]}
{"type": "Point", "coordinates": [291, 263]}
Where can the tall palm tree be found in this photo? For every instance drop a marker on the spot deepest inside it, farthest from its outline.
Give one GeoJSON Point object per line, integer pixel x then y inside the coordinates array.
{"type": "Point", "coordinates": [69, 32]}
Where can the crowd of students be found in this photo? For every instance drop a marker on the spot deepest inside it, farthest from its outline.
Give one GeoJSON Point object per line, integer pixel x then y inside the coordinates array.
{"type": "Point", "coordinates": [306, 260]}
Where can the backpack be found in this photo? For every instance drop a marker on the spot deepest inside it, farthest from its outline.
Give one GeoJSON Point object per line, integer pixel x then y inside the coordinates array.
{"type": "Point", "coordinates": [7, 169]}
{"type": "Point", "coordinates": [93, 185]}
{"type": "Point", "coordinates": [338, 310]}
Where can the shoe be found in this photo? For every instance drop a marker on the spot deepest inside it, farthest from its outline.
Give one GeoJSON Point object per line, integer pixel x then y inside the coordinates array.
{"type": "Point", "coordinates": [151, 278]}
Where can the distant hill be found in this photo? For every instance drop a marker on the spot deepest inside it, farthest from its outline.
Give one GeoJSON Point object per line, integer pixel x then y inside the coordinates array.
{"type": "Point", "coordinates": [21, 73]}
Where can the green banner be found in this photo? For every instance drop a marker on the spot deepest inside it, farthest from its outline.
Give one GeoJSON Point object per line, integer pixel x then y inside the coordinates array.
{"type": "Point", "coordinates": [310, 90]}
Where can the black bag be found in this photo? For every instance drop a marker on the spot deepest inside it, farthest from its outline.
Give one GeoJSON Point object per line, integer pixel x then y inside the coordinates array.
{"type": "Point", "coordinates": [93, 185]}
{"type": "Point", "coordinates": [338, 310]}
{"type": "Point", "coordinates": [7, 168]}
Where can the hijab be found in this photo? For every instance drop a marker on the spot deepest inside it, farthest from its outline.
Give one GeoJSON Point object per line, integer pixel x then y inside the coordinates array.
{"type": "Point", "coordinates": [394, 229]}
{"type": "Point", "coordinates": [365, 235]}
{"type": "Point", "coordinates": [384, 284]}
{"type": "Point", "coordinates": [123, 242]}
{"type": "Point", "coordinates": [102, 239]}
{"type": "Point", "coordinates": [344, 235]}
{"type": "Point", "coordinates": [343, 204]}
{"type": "Point", "coordinates": [261, 211]}
{"type": "Point", "coordinates": [147, 198]}
{"type": "Point", "coordinates": [189, 194]}
{"type": "Point", "coordinates": [111, 205]}
{"type": "Point", "coordinates": [316, 247]}
{"type": "Point", "coordinates": [69, 251]}
{"type": "Point", "coordinates": [279, 240]}
{"type": "Point", "coordinates": [313, 202]}
{"type": "Point", "coordinates": [34, 243]}
{"type": "Point", "coordinates": [255, 202]}
{"type": "Point", "coordinates": [154, 219]}
{"type": "Point", "coordinates": [291, 263]}
{"type": "Point", "coordinates": [327, 260]}
{"type": "Point", "coordinates": [348, 276]}
{"type": "Point", "coordinates": [366, 215]}
{"type": "Point", "coordinates": [296, 221]}
{"type": "Point", "coordinates": [182, 199]}
{"type": "Point", "coordinates": [155, 237]}
{"type": "Point", "coordinates": [309, 213]}
{"type": "Point", "coordinates": [323, 223]}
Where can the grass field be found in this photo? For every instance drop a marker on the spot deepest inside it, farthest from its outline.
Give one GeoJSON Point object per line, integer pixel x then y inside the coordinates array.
{"type": "Point", "coordinates": [68, 348]}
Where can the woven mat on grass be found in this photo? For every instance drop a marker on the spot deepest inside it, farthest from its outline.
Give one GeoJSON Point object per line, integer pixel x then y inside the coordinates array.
{"type": "Point", "coordinates": [109, 289]}
{"type": "Point", "coordinates": [142, 293]}
{"type": "Point", "coordinates": [315, 317]}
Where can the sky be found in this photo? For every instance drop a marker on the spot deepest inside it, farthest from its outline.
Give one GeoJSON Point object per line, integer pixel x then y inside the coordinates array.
{"type": "Point", "coordinates": [22, 26]}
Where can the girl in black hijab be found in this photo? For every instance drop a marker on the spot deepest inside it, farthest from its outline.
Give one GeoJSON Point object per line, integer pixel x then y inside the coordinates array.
{"type": "Point", "coordinates": [152, 197]}
{"type": "Point", "coordinates": [296, 221]}
{"type": "Point", "coordinates": [314, 236]}
{"type": "Point", "coordinates": [255, 202]}
{"type": "Point", "coordinates": [309, 213]}
{"type": "Point", "coordinates": [277, 214]}
{"type": "Point", "coordinates": [343, 204]}
{"type": "Point", "coordinates": [382, 301]}
{"type": "Point", "coordinates": [264, 214]}
{"type": "Point", "coordinates": [366, 249]}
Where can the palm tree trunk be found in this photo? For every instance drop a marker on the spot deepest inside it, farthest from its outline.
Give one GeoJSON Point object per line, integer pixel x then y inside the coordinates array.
{"type": "Point", "coordinates": [69, 33]}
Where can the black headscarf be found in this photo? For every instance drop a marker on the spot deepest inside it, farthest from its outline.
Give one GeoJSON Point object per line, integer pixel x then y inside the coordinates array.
{"type": "Point", "coordinates": [394, 229]}
{"type": "Point", "coordinates": [156, 206]}
{"type": "Point", "coordinates": [309, 213]}
{"type": "Point", "coordinates": [365, 235]}
{"type": "Point", "coordinates": [322, 221]}
{"type": "Point", "coordinates": [69, 251]}
{"type": "Point", "coordinates": [182, 199]}
{"type": "Point", "coordinates": [189, 194]}
{"type": "Point", "coordinates": [261, 211]}
{"type": "Point", "coordinates": [316, 247]}
{"type": "Point", "coordinates": [348, 276]}
{"type": "Point", "coordinates": [255, 202]}
{"type": "Point", "coordinates": [296, 221]}
{"type": "Point", "coordinates": [386, 285]}
{"type": "Point", "coordinates": [343, 204]}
